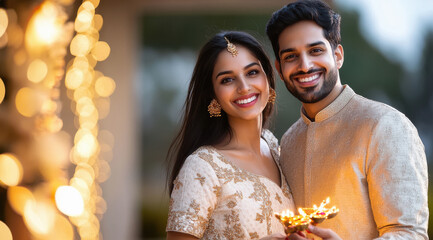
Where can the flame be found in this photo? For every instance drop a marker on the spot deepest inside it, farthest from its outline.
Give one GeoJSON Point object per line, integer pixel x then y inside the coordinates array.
{"type": "Point", "coordinates": [323, 204]}
{"type": "Point", "coordinates": [302, 212]}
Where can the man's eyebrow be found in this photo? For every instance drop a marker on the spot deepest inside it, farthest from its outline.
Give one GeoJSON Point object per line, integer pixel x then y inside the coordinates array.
{"type": "Point", "coordinates": [309, 45]}
{"type": "Point", "coordinates": [286, 50]}
{"type": "Point", "coordinates": [316, 43]}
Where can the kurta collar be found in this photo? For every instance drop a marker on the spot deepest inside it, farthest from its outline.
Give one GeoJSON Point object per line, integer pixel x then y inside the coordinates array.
{"type": "Point", "coordinates": [332, 108]}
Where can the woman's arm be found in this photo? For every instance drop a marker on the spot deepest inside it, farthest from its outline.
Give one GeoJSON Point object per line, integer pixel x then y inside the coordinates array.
{"type": "Point", "coordinates": [179, 236]}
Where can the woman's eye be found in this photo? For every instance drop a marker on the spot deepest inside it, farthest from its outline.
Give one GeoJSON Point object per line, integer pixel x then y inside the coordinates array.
{"type": "Point", "coordinates": [253, 72]}
{"type": "Point", "coordinates": [227, 80]}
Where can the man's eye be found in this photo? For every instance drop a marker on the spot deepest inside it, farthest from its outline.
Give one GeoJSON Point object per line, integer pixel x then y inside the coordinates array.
{"type": "Point", "coordinates": [289, 57]}
{"type": "Point", "coordinates": [316, 51]}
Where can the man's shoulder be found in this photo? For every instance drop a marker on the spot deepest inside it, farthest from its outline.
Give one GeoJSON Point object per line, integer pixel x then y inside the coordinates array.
{"type": "Point", "coordinates": [367, 111]}
{"type": "Point", "coordinates": [369, 108]}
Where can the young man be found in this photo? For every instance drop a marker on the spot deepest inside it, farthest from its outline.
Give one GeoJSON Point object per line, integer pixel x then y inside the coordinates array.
{"type": "Point", "coordinates": [365, 155]}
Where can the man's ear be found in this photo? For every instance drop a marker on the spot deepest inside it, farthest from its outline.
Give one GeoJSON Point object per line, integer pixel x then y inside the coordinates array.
{"type": "Point", "coordinates": [278, 67]}
{"type": "Point", "coordinates": [339, 56]}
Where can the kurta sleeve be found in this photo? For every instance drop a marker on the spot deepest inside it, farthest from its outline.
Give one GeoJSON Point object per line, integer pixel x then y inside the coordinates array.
{"type": "Point", "coordinates": [397, 179]}
{"type": "Point", "coordinates": [193, 198]}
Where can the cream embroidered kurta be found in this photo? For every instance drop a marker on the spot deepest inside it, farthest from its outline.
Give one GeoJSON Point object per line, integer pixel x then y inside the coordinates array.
{"type": "Point", "coordinates": [368, 158]}
{"type": "Point", "coordinates": [214, 199]}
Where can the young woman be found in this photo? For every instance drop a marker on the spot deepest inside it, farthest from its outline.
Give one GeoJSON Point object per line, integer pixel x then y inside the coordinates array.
{"type": "Point", "coordinates": [225, 181]}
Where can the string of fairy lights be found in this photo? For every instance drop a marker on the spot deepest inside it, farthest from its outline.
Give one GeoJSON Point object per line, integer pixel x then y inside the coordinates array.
{"type": "Point", "coordinates": [35, 169]}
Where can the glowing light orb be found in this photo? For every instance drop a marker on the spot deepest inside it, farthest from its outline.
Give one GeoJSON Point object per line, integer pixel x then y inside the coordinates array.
{"type": "Point", "coordinates": [105, 86]}
{"type": "Point", "coordinates": [11, 171]}
{"type": "Point", "coordinates": [18, 197]}
{"type": "Point", "coordinates": [5, 232]}
{"type": "Point", "coordinates": [2, 90]}
{"type": "Point", "coordinates": [39, 217]}
{"type": "Point", "coordinates": [3, 21]}
{"type": "Point", "coordinates": [37, 71]}
{"type": "Point", "coordinates": [69, 201]}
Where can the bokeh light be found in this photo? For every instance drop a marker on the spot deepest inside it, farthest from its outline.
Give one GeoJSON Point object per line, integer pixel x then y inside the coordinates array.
{"type": "Point", "coordinates": [37, 71]}
{"type": "Point", "coordinates": [2, 90]}
{"type": "Point", "coordinates": [5, 232]}
{"type": "Point", "coordinates": [11, 171]}
{"type": "Point", "coordinates": [69, 201]}
{"type": "Point", "coordinates": [44, 27]}
{"type": "Point", "coordinates": [39, 216]}
{"type": "Point", "coordinates": [3, 21]}
{"type": "Point", "coordinates": [29, 101]}
{"type": "Point", "coordinates": [80, 45]}
{"type": "Point", "coordinates": [101, 51]}
{"type": "Point", "coordinates": [105, 86]}
{"type": "Point", "coordinates": [18, 197]}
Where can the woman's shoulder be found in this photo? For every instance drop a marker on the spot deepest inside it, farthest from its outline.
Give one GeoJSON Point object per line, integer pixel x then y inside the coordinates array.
{"type": "Point", "coordinates": [202, 156]}
{"type": "Point", "coordinates": [270, 138]}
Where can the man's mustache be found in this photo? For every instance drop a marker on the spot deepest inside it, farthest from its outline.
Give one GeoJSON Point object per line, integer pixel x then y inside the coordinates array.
{"type": "Point", "coordinates": [309, 72]}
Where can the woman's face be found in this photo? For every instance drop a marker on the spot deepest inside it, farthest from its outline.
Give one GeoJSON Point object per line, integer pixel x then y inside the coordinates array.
{"type": "Point", "coordinates": [240, 84]}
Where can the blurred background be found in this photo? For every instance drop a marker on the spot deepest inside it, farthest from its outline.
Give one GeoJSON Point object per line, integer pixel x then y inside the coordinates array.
{"type": "Point", "coordinates": [91, 95]}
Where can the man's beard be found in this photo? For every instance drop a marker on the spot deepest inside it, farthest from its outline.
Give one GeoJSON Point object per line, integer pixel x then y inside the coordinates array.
{"type": "Point", "coordinates": [309, 96]}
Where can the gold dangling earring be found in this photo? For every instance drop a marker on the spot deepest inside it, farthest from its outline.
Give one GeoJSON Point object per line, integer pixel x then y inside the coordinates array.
{"type": "Point", "coordinates": [214, 109]}
{"type": "Point", "coordinates": [272, 95]}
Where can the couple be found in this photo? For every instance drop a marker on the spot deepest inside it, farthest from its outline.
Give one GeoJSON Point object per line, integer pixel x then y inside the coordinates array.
{"type": "Point", "coordinates": [228, 178]}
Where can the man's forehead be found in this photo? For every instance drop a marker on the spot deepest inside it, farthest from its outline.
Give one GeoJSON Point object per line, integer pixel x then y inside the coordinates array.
{"type": "Point", "coordinates": [301, 34]}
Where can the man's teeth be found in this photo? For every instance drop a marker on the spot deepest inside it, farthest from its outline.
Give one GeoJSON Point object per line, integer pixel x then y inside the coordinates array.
{"type": "Point", "coordinates": [248, 100]}
{"type": "Point", "coordinates": [309, 79]}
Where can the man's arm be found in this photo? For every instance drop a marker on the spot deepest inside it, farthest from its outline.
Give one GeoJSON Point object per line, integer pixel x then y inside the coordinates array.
{"type": "Point", "coordinates": [397, 179]}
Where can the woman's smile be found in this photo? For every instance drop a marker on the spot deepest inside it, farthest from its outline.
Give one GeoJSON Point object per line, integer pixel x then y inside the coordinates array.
{"type": "Point", "coordinates": [247, 101]}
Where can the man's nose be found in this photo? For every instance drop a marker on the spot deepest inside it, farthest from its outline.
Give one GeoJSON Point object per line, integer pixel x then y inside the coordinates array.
{"type": "Point", "coordinates": [305, 63]}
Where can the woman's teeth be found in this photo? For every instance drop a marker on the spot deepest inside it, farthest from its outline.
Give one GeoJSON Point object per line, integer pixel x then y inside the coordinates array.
{"type": "Point", "coordinates": [248, 100]}
{"type": "Point", "coordinates": [308, 79]}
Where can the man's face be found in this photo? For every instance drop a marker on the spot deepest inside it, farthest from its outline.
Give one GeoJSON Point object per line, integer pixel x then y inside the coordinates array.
{"type": "Point", "coordinates": [308, 65]}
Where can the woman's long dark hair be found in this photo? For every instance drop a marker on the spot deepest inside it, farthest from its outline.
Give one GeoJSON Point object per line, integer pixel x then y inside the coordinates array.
{"type": "Point", "coordinates": [198, 129]}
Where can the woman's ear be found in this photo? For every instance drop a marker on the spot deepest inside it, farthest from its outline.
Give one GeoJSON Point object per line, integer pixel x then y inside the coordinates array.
{"type": "Point", "coordinates": [339, 56]}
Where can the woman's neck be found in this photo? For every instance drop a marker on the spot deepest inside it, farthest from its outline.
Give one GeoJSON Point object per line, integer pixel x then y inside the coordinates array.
{"type": "Point", "coordinates": [246, 135]}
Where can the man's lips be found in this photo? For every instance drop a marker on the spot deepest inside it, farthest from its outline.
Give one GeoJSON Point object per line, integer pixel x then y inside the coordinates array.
{"type": "Point", "coordinates": [308, 79]}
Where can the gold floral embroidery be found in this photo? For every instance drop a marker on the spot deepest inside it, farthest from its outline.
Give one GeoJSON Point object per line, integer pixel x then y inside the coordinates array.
{"type": "Point", "coordinates": [187, 221]}
{"type": "Point", "coordinates": [278, 198]}
{"type": "Point", "coordinates": [177, 184]}
{"type": "Point", "coordinates": [233, 230]}
{"type": "Point", "coordinates": [217, 191]}
{"type": "Point", "coordinates": [254, 235]}
{"type": "Point", "coordinates": [261, 194]}
{"type": "Point", "coordinates": [231, 204]}
{"type": "Point", "coordinates": [200, 179]}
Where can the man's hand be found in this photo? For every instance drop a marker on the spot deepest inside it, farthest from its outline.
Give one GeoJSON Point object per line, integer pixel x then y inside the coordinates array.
{"type": "Point", "coordinates": [324, 233]}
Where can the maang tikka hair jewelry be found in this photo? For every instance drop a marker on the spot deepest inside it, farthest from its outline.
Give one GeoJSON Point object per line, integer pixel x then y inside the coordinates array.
{"type": "Point", "coordinates": [272, 95]}
{"type": "Point", "coordinates": [214, 109]}
{"type": "Point", "coordinates": [231, 48]}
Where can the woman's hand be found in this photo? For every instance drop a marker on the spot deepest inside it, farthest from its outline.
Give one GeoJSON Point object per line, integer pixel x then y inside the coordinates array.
{"type": "Point", "coordinates": [275, 236]}
{"type": "Point", "coordinates": [324, 233]}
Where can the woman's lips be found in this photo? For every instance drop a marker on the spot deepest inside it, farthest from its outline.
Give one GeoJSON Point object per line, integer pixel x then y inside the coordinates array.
{"type": "Point", "coordinates": [247, 101]}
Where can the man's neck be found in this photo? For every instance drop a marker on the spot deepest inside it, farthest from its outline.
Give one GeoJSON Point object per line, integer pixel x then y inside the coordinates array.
{"type": "Point", "coordinates": [311, 109]}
